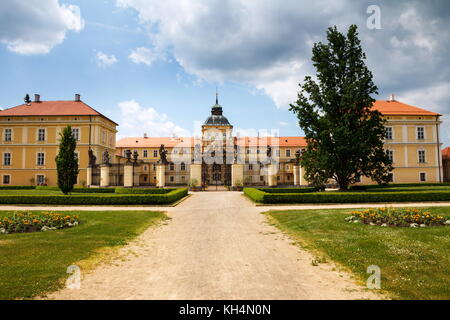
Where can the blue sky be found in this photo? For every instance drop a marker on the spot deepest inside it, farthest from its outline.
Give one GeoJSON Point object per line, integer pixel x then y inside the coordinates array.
{"type": "Point", "coordinates": [153, 66]}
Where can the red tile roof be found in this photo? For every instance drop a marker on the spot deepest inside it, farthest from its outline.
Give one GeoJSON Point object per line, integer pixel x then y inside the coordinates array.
{"type": "Point", "coordinates": [446, 153]}
{"type": "Point", "coordinates": [153, 142]}
{"type": "Point", "coordinates": [53, 108]}
{"type": "Point", "coordinates": [387, 107]}
{"type": "Point", "coordinates": [186, 142]}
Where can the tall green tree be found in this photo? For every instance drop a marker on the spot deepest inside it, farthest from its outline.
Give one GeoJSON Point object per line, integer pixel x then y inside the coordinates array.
{"type": "Point", "coordinates": [344, 134]}
{"type": "Point", "coordinates": [66, 161]}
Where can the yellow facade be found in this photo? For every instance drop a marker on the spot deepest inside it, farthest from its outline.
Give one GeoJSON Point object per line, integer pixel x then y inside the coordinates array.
{"type": "Point", "coordinates": [32, 157]}
{"type": "Point", "coordinates": [415, 147]}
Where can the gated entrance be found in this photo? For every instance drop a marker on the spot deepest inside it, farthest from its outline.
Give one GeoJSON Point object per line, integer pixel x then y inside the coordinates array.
{"type": "Point", "coordinates": [216, 176]}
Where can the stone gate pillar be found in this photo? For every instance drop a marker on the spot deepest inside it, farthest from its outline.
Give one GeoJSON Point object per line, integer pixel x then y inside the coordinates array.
{"type": "Point", "coordinates": [128, 175]}
{"type": "Point", "coordinates": [89, 176]}
{"type": "Point", "coordinates": [160, 175]}
{"type": "Point", "coordinates": [237, 174]}
{"type": "Point", "coordinates": [196, 173]}
{"type": "Point", "coordinates": [104, 175]}
{"type": "Point", "coordinates": [272, 174]}
{"type": "Point", "coordinates": [296, 175]}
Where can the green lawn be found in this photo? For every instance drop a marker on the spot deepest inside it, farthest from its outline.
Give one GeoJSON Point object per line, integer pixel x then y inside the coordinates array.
{"type": "Point", "coordinates": [35, 263]}
{"type": "Point", "coordinates": [415, 263]}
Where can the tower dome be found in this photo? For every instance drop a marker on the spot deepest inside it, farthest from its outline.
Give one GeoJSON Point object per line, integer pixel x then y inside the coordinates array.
{"type": "Point", "coordinates": [217, 118]}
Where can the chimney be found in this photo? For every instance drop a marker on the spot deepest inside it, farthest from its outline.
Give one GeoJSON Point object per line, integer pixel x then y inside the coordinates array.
{"type": "Point", "coordinates": [77, 97]}
{"type": "Point", "coordinates": [391, 97]}
{"type": "Point", "coordinates": [37, 98]}
{"type": "Point", "coordinates": [145, 135]}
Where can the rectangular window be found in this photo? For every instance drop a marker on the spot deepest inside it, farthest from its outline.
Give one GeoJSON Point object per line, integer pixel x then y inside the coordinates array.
{"type": "Point", "coordinates": [420, 133]}
{"type": "Point", "coordinates": [125, 152]}
{"type": "Point", "coordinates": [250, 167]}
{"type": "Point", "coordinates": [155, 153]}
{"type": "Point", "coordinates": [6, 179]}
{"type": "Point", "coordinates": [388, 133]}
{"type": "Point", "coordinates": [277, 152]}
{"type": "Point", "coordinates": [40, 159]}
{"type": "Point", "coordinates": [7, 159]}
{"type": "Point", "coordinates": [422, 158]}
{"type": "Point", "coordinates": [390, 155]}
{"type": "Point", "coordinates": [288, 152]}
{"type": "Point", "coordinates": [423, 177]}
{"type": "Point", "coordinates": [171, 178]}
{"type": "Point", "coordinates": [40, 179]}
{"type": "Point", "coordinates": [76, 133]}
{"type": "Point", "coordinates": [8, 135]}
{"type": "Point", "coordinates": [41, 134]}
{"type": "Point", "coordinates": [171, 167]}
{"type": "Point", "coordinates": [145, 153]}
{"type": "Point", "coordinates": [390, 177]}
{"type": "Point", "coordinates": [261, 178]}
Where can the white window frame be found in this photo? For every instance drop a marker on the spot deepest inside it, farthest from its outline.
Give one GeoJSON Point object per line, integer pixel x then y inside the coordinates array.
{"type": "Point", "coordinates": [424, 156]}
{"type": "Point", "coordinates": [172, 166]}
{"type": "Point", "coordinates": [155, 153]}
{"type": "Point", "coordinates": [4, 158]}
{"type": "Point", "coordinates": [250, 166]}
{"type": "Point", "coordinates": [288, 152]}
{"type": "Point", "coordinates": [3, 179]}
{"type": "Point", "coordinates": [145, 153]}
{"type": "Point", "coordinates": [183, 166]}
{"type": "Point", "coordinates": [78, 136]}
{"type": "Point", "coordinates": [37, 158]}
{"type": "Point", "coordinates": [389, 151]}
{"type": "Point", "coordinates": [420, 176]}
{"type": "Point", "coordinates": [37, 180]}
{"type": "Point", "coordinates": [417, 133]}
{"type": "Point", "coordinates": [389, 133]}
{"type": "Point", "coordinates": [44, 130]}
{"type": "Point", "coordinates": [10, 134]}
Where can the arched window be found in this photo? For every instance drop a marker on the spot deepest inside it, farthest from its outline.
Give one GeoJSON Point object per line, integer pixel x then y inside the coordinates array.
{"type": "Point", "coordinates": [183, 166]}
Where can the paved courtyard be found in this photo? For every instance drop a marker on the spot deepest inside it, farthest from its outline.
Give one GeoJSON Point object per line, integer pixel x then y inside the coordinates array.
{"type": "Point", "coordinates": [216, 246]}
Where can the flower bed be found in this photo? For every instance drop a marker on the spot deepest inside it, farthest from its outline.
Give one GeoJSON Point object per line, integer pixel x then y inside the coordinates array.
{"type": "Point", "coordinates": [26, 221]}
{"type": "Point", "coordinates": [397, 218]}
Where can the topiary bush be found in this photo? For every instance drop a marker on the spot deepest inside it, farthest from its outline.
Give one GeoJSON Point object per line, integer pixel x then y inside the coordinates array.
{"type": "Point", "coordinates": [92, 199]}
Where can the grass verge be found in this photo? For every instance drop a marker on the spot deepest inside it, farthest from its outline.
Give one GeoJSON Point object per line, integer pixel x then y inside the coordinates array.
{"type": "Point", "coordinates": [415, 263]}
{"type": "Point", "coordinates": [34, 263]}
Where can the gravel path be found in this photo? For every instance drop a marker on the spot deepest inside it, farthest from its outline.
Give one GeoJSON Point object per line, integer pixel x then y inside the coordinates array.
{"type": "Point", "coordinates": [217, 246]}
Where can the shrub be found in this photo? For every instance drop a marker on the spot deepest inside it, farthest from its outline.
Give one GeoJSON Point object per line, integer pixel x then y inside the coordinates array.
{"type": "Point", "coordinates": [397, 218]}
{"type": "Point", "coordinates": [78, 189]}
{"type": "Point", "coordinates": [142, 190]}
{"type": "Point", "coordinates": [32, 222]}
{"type": "Point", "coordinates": [347, 197]}
{"type": "Point", "coordinates": [92, 199]}
{"type": "Point", "coordinates": [289, 190]}
{"type": "Point", "coordinates": [17, 187]}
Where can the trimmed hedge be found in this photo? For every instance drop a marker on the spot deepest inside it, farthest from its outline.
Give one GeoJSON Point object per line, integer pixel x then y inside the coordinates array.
{"type": "Point", "coordinates": [289, 190]}
{"type": "Point", "coordinates": [143, 190]}
{"type": "Point", "coordinates": [17, 187]}
{"type": "Point", "coordinates": [397, 185]}
{"type": "Point", "coordinates": [78, 189]}
{"type": "Point", "coordinates": [346, 197]}
{"type": "Point", "coordinates": [113, 199]}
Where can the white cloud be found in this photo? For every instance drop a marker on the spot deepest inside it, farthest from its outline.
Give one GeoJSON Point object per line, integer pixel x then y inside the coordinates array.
{"type": "Point", "coordinates": [282, 123]}
{"type": "Point", "coordinates": [103, 60]}
{"type": "Point", "coordinates": [143, 55]}
{"type": "Point", "coordinates": [35, 27]}
{"type": "Point", "coordinates": [137, 119]}
{"type": "Point", "coordinates": [267, 44]}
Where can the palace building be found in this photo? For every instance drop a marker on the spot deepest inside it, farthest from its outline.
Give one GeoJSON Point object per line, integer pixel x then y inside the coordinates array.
{"type": "Point", "coordinates": [29, 143]}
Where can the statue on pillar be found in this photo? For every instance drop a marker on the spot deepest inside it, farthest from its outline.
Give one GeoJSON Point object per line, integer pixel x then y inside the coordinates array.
{"type": "Point", "coordinates": [92, 158]}
{"type": "Point", "coordinates": [128, 155]}
{"type": "Point", "coordinates": [135, 156]}
{"type": "Point", "coordinates": [237, 153]}
{"type": "Point", "coordinates": [163, 155]}
{"type": "Point", "coordinates": [197, 153]}
{"type": "Point", "coordinates": [105, 157]}
{"type": "Point", "coordinates": [269, 154]}
{"type": "Point", "coordinates": [298, 154]}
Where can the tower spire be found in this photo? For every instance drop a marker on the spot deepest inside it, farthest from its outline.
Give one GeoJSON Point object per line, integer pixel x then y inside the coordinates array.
{"type": "Point", "coordinates": [217, 96]}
